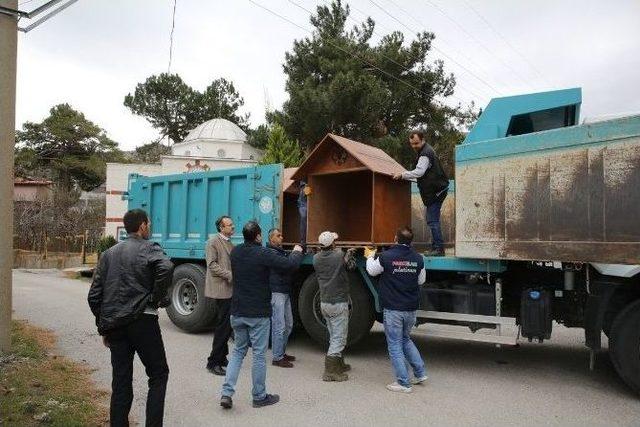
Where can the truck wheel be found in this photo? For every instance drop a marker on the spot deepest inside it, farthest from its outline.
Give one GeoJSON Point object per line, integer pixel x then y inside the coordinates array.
{"type": "Point", "coordinates": [361, 312]}
{"type": "Point", "coordinates": [624, 345]}
{"type": "Point", "coordinates": [189, 309]}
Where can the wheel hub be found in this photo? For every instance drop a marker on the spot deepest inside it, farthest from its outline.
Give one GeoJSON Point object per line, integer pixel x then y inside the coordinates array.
{"type": "Point", "coordinates": [185, 296]}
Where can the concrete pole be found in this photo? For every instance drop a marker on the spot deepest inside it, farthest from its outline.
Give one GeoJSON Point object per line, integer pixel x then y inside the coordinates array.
{"type": "Point", "coordinates": [8, 55]}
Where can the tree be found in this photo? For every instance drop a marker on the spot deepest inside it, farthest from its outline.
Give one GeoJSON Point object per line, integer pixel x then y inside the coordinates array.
{"type": "Point", "coordinates": [280, 149]}
{"type": "Point", "coordinates": [258, 137]}
{"type": "Point", "coordinates": [150, 153]}
{"type": "Point", "coordinates": [67, 148]}
{"type": "Point", "coordinates": [174, 108]}
{"type": "Point", "coordinates": [339, 82]}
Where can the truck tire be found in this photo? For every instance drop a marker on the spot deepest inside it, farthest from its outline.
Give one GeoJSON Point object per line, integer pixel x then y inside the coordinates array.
{"type": "Point", "coordinates": [361, 311]}
{"type": "Point", "coordinates": [190, 310]}
{"type": "Point", "coordinates": [624, 345]}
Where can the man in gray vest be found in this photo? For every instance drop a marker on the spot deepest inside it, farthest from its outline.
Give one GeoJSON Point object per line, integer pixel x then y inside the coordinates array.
{"type": "Point", "coordinates": [433, 185]}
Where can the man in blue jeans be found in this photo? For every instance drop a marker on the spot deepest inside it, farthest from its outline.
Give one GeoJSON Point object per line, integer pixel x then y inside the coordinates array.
{"type": "Point", "coordinates": [251, 311]}
{"type": "Point", "coordinates": [402, 271]}
{"type": "Point", "coordinates": [433, 185]}
{"type": "Point", "coordinates": [282, 316]}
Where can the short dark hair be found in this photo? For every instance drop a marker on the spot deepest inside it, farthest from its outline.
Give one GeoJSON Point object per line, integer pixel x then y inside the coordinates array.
{"type": "Point", "coordinates": [419, 133]}
{"type": "Point", "coordinates": [133, 219]}
{"type": "Point", "coordinates": [250, 231]}
{"type": "Point", "coordinates": [219, 221]}
{"type": "Point", "coordinates": [404, 235]}
{"type": "Point", "coordinates": [273, 230]}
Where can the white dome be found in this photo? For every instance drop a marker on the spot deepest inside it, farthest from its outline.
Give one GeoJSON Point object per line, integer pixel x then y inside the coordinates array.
{"type": "Point", "coordinates": [217, 129]}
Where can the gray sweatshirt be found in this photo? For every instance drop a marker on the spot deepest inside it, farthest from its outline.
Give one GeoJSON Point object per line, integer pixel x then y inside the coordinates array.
{"type": "Point", "coordinates": [332, 276]}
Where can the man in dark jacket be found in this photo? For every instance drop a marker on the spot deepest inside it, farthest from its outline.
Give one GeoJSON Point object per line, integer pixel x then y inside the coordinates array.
{"type": "Point", "coordinates": [129, 285]}
{"type": "Point", "coordinates": [402, 271]}
{"type": "Point", "coordinates": [433, 185]}
{"type": "Point", "coordinates": [251, 311]}
{"type": "Point", "coordinates": [281, 316]}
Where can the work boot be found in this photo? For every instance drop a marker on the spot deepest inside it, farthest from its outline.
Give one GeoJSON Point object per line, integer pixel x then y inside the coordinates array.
{"type": "Point", "coordinates": [344, 367]}
{"type": "Point", "coordinates": [434, 252]}
{"type": "Point", "coordinates": [333, 369]}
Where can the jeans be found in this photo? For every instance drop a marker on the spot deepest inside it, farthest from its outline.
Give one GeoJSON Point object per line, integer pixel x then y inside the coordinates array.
{"type": "Point", "coordinates": [221, 334]}
{"type": "Point", "coordinates": [337, 318]}
{"type": "Point", "coordinates": [247, 331]}
{"type": "Point", "coordinates": [397, 327]}
{"type": "Point", "coordinates": [141, 336]}
{"type": "Point", "coordinates": [302, 211]}
{"type": "Point", "coordinates": [433, 221]}
{"type": "Point", "coordinates": [281, 323]}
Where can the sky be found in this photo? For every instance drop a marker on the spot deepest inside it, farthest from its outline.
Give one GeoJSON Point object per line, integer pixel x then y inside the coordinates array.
{"type": "Point", "coordinates": [94, 53]}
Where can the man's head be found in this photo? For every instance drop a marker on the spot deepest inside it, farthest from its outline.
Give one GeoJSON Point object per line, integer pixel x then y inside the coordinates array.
{"type": "Point", "coordinates": [327, 239]}
{"type": "Point", "coordinates": [136, 222]}
{"type": "Point", "coordinates": [404, 236]}
{"type": "Point", "coordinates": [416, 140]}
{"type": "Point", "coordinates": [252, 232]}
{"type": "Point", "coordinates": [275, 237]}
{"type": "Point", "coordinates": [225, 226]}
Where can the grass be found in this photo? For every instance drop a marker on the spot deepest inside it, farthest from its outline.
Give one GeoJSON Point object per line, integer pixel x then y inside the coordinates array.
{"type": "Point", "coordinates": [37, 387]}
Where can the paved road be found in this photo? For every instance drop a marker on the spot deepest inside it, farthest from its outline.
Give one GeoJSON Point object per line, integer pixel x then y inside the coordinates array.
{"type": "Point", "coordinates": [469, 383]}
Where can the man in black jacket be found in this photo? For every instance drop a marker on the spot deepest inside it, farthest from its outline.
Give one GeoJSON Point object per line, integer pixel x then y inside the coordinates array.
{"type": "Point", "coordinates": [282, 316]}
{"type": "Point", "coordinates": [433, 185]}
{"type": "Point", "coordinates": [251, 311]}
{"type": "Point", "coordinates": [129, 285]}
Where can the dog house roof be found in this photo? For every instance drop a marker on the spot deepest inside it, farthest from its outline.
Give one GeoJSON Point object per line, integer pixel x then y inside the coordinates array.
{"type": "Point", "coordinates": [372, 158]}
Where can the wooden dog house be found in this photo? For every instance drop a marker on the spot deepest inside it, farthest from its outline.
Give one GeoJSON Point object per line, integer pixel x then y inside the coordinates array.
{"type": "Point", "coordinates": [352, 193]}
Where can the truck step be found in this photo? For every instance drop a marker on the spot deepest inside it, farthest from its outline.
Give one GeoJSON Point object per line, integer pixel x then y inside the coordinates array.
{"type": "Point", "coordinates": [466, 336]}
{"type": "Point", "coordinates": [462, 317]}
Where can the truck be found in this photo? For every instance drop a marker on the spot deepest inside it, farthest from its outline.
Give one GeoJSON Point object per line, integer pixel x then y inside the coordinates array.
{"type": "Point", "coordinates": [541, 224]}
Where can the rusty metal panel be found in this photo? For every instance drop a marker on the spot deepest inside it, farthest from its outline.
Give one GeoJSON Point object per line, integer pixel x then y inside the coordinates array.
{"type": "Point", "coordinates": [576, 201]}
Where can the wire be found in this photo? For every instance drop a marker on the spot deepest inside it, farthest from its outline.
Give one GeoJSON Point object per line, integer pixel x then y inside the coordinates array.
{"type": "Point", "coordinates": [173, 26]}
{"type": "Point", "coordinates": [507, 42]}
{"type": "Point", "coordinates": [346, 51]}
{"type": "Point", "coordinates": [439, 50]}
{"type": "Point", "coordinates": [482, 45]}
{"type": "Point", "coordinates": [25, 2]}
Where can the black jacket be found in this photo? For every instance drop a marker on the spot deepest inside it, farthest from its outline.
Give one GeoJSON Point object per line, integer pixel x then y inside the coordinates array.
{"type": "Point", "coordinates": [250, 267]}
{"type": "Point", "coordinates": [131, 276]}
{"type": "Point", "coordinates": [433, 184]}
{"type": "Point", "coordinates": [280, 280]}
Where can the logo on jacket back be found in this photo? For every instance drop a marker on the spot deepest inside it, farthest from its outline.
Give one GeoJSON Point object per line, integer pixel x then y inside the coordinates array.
{"type": "Point", "coordinates": [404, 267]}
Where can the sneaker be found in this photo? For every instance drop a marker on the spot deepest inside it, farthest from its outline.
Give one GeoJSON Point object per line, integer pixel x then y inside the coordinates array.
{"type": "Point", "coordinates": [282, 363]}
{"type": "Point", "coordinates": [226, 402]}
{"type": "Point", "coordinates": [289, 358]}
{"type": "Point", "coordinates": [416, 381]}
{"type": "Point", "coordinates": [269, 399]}
{"type": "Point", "coordinates": [399, 388]}
{"type": "Point", "coordinates": [217, 370]}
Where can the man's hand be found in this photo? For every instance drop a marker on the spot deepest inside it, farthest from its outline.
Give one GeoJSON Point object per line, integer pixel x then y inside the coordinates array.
{"type": "Point", "coordinates": [369, 252]}
{"type": "Point", "coordinates": [297, 248]}
{"type": "Point", "coordinates": [397, 176]}
{"type": "Point", "coordinates": [105, 341]}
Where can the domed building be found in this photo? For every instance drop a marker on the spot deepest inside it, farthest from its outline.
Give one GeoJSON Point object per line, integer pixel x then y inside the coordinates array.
{"type": "Point", "coordinates": [213, 145]}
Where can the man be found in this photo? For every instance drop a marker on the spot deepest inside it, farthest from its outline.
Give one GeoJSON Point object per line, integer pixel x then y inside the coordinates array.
{"type": "Point", "coordinates": [433, 185]}
{"type": "Point", "coordinates": [251, 311]}
{"type": "Point", "coordinates": [330, 265]}
{"type": "Point", "coordinates": [402, 271]}
{"type": "Point", "coordinates": [129, 285]}
{"type": "Point", "coordinates": [218, 285]}
{"type": "Point", "coordinates": [303, 191]}
{"type": "Point", "coordinates": [282, 316]}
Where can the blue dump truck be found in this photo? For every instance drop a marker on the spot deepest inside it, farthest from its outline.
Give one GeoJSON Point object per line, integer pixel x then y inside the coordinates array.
{"type": "Point", "coordinates": [541, 225]}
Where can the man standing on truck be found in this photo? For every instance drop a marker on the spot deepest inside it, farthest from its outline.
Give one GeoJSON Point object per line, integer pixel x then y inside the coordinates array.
{"type": "Point", "coordinates": [129, 285]}
{"type": "Point", "coordinates": [251, 311]}
{"type": "Point", "coordinates": [218, 285]}
{"type": "Point", "coordinates": [331, 265]}
{"type": "Point", "coordinates": [303, 191]}
{"type": "Point", "coordinates": [433, 185]}
{"type": "Point", "coordinates": [403, 272]}
{"type": "Point", "coordinates": [282, 316]}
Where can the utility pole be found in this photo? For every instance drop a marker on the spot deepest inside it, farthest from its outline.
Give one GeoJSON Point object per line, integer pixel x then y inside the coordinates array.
{"type": "Point", "coordinates": [8, 56]}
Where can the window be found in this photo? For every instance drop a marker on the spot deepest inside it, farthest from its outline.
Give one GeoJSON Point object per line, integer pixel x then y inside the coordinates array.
{"type": "Point", "coordinates": [221, 153]}
{"type": "Point", "coordinates": [537, 121]}
{"type": "Point", "coordinates": [187, 153]}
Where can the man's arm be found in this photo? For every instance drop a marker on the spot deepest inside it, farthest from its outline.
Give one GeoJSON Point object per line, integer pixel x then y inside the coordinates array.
{"type": "Point", "coordinates": [421, 169]}
{"type": "Point", "coordinates": [273, 260]}
{"type": "Point", "coordinates": [422, 277]}
{"type": "Point", "coordinates": [162, 272]}
{"type": "Point", "coordinates": [374, 268]}
{"type": "Point", "coordinates": [214, 267]}
{"type": "Point", "coordinates": [97, 285]}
